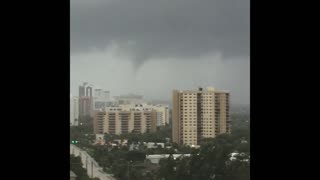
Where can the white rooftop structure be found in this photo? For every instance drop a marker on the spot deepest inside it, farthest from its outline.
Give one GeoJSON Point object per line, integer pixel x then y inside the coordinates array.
{"type": "Point", "coordinates": [233, 156]}
{"type": "Point", "coordinates": [72, 174]}
{"type": "Point", "coordinates": [155, 158]}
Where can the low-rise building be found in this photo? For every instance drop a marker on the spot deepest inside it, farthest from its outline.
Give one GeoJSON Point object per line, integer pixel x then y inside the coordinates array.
{"type": "Point", "coordinates": [235, 155]}
{"type": "Point", "coordinates": [155, 158]}
{"type": "Point", "coordinates": [121, 142]}
{"type": "Point", "coordinates": [151, 145]}
{"type": "Point", "coordinates": [100, 139]}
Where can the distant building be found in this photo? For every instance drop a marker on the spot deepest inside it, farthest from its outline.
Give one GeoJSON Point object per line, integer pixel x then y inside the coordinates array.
{"type": "Point", "coordinates": [85, 106]}
{"type": "Point", "coordinates": [85, 100]}
{"type": "Point", "coordinates": [74, 110]}
{"type": "Point", "coordinates": [199, 114]}
{"type": "Point", "coordinates": [73, 176]}
{"type": "Point", "coordinates": [101, 99]}
{"type": "Point", "coordinates": [100, 139]}
{"type": "Point", "coordinates": [153, 145]}
{"type": "Point", "coordinates": [162, 114]}
{"type": "Point", "coordinates": [85, 90]}
{"type": "Point", "coordinates": [115, 120]}
{"type": "Point", "coordinates": [129, 99]}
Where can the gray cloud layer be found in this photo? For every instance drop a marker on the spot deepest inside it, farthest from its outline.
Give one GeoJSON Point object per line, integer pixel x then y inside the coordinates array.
{"type": "Point", "coordinates": [139, 46]}
{"type": "Point", "coordinates": [162, 28]}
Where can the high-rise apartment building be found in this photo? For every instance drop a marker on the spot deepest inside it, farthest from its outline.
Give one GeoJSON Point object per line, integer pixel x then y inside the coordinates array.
{"type": "Point", "coordinates": [162, 114]}
{"type": "Point", "coordinates": [85, 100]}
{"type": "Point", "coordinates": [85, 90]}
{"type": "Point", "coordinates": [199, 114]}
{"type": "Point", "coordinates": [85, 106]}
{"type": "Point", "coordinates": [115, 120]}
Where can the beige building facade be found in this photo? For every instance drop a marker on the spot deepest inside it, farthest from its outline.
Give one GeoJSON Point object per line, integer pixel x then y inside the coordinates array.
{"type": "Point", "coordinates": [115, 120]}
{"type": "Point", "coordinates": [162, 111]}
{"type": "Point", "coordinates": [198, 114]}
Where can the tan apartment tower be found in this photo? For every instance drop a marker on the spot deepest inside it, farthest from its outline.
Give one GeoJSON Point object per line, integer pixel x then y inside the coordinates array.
{"type": "Point", "coordinates": [119, 121]}
{"type": "Point", "coordinates": [198, 114]}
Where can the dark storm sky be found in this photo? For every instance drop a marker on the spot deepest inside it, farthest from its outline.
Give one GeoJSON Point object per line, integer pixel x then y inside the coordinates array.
{"type": "Point", "coordinates": [153, 46]}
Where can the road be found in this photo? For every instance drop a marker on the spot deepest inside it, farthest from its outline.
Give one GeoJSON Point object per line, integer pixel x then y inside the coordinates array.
{"type": "Point", "coordinates": [93, 168]}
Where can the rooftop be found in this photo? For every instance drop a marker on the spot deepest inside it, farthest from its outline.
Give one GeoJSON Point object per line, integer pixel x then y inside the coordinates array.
{"type": "Point", "coordinates": [207, 90]}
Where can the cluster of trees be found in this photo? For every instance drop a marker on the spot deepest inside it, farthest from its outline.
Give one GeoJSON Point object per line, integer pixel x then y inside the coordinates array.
{"type": "Point", "coordinates": [120, 162]}
{"type": "Point", "coordinates": [212, 161]}
{"type": "Point", "coordinates": [82, 133]}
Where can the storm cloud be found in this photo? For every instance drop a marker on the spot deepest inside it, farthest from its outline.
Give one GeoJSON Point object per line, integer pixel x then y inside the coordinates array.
{"type": "Point", "coordinates": [122, 44]}
{"type": "Point", "coordinates": [162, 28]}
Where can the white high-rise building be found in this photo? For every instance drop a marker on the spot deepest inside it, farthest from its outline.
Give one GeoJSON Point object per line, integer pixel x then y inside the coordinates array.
{"type": "Point", "coordinates": [129, 99]}
{"type": "Point", "coordinates": [106, 95]}
{"type": "Point", "coordinates": [74, 110]}
{"type": "Point", "coordinates": [101, 99]}
{"type": "Point", "coordinates": [162, 114]}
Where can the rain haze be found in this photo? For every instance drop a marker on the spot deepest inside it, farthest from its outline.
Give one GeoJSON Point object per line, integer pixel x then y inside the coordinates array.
{"type": "Point", "coordinates": [151, 47]}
